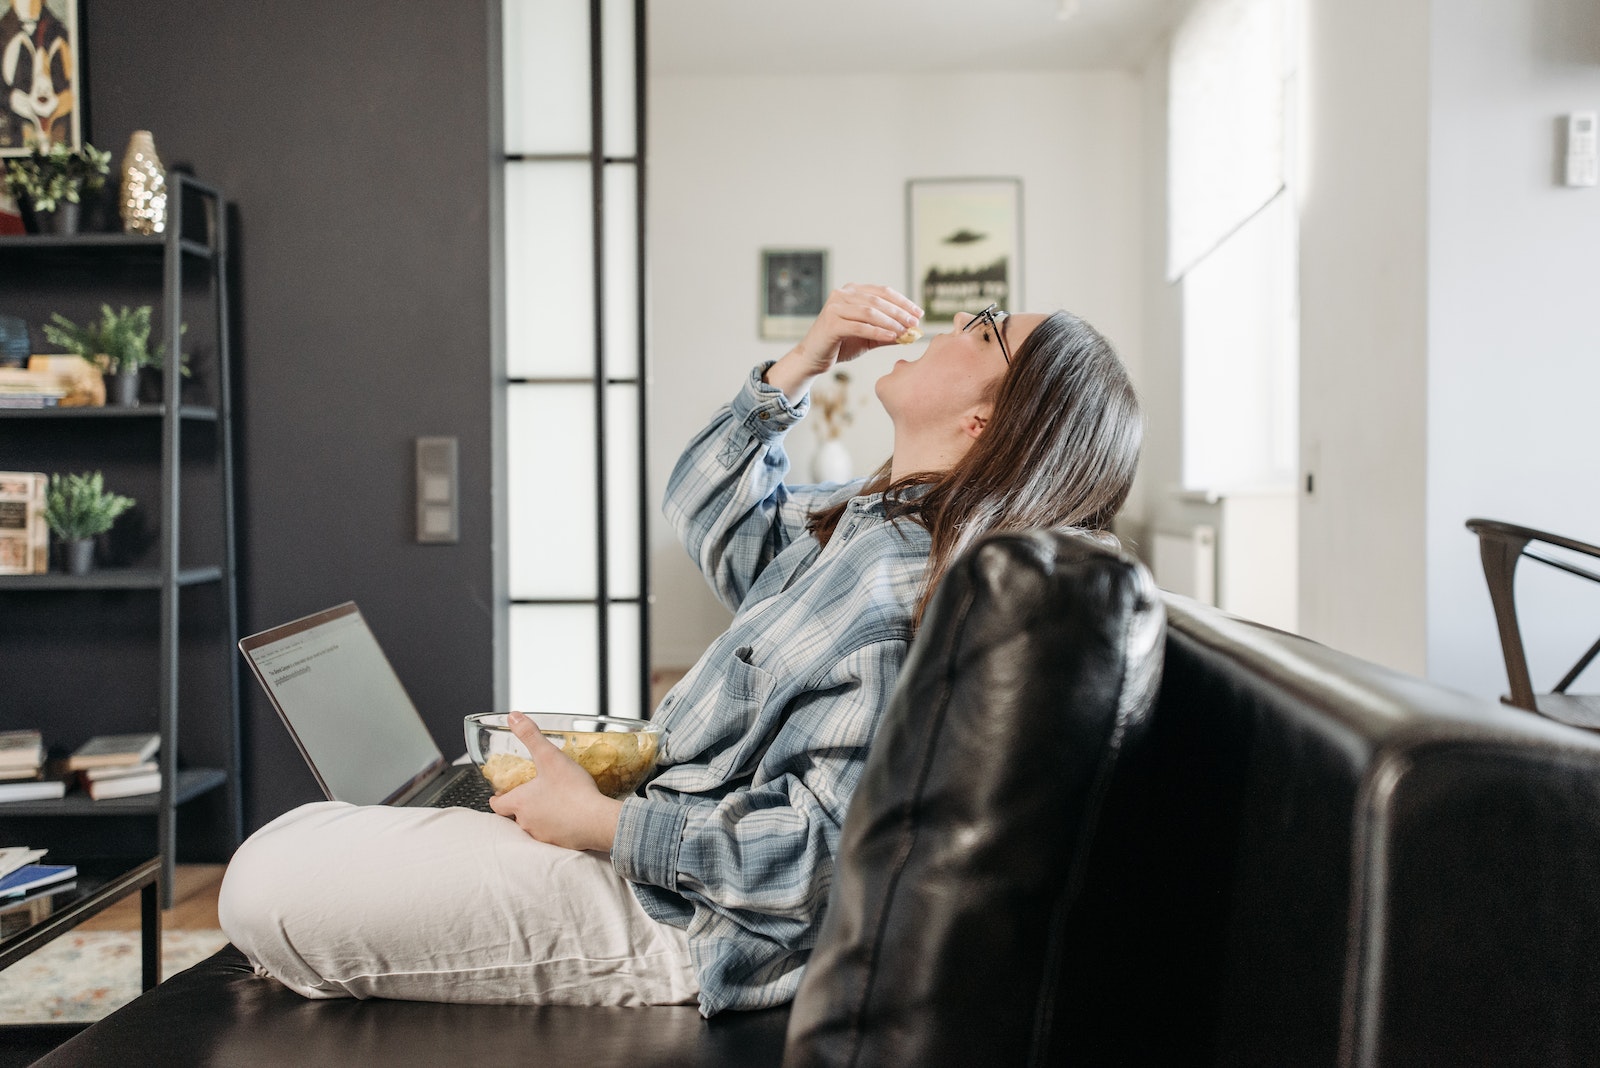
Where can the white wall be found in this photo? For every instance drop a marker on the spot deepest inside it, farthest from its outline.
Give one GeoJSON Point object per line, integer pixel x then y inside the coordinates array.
{"type": "Point", "coordinates": [1364, 329]}
{"type": "Point", "coordinates": [1514, 336]}
{"type": "Point", "coordinates": [738, 164]}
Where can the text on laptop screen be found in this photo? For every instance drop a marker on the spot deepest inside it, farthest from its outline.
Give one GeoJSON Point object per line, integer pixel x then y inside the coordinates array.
{"type": "Point", "coordinates": [347, 709]}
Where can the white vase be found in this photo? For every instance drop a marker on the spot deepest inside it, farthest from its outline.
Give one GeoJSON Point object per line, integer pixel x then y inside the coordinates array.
{"type": "Point", "coordinates": [831, 462]}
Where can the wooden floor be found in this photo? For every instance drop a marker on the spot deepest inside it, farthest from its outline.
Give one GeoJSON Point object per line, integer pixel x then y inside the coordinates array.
{"type": "Point", "coordinates": [194, 904]}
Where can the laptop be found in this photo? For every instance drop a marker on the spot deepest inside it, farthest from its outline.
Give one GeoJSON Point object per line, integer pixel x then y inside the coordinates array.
{"type": "Point", "coordinates": [350, 716]}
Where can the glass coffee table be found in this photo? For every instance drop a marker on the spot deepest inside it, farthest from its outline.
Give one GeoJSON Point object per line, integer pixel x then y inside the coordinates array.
{"type": "Point", "coordinates": [29, 922]}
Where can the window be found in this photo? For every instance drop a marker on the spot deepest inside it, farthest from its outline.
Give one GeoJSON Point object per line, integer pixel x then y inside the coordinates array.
{"type": "Point", "coordinates": [1232, 241]}
{"type": "Point", "coordinates": [1240, 359]}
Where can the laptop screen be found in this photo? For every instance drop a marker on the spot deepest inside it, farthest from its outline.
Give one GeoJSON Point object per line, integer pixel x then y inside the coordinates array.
{"type": "Point", "coordinates": [344, 705]}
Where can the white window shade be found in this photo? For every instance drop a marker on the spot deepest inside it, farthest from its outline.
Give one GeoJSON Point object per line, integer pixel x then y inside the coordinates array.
{"type": "Point", "coordinates": [1240, 355]}
{"type": "Point", "coordinates": [1225, 122]}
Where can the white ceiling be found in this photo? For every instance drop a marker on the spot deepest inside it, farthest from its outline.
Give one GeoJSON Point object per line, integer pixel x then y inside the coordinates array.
{"type": "Point", "coordinates": [787, 37]}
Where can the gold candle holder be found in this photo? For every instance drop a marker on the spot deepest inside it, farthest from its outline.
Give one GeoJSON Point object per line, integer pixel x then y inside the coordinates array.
{"type": "Point", "coordinates": [142, 201]}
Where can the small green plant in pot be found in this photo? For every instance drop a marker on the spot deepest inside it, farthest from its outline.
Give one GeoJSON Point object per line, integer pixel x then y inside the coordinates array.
{"type": "Point", "coordinates": [50, 182]}
{"type": "Point", "coordinates": [119, 344]}
{"type": "Point", "coordinates": [79, 510]}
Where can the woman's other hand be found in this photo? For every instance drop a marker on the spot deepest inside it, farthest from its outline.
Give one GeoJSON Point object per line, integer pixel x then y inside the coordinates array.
{"type": "Point", "coordinates": [562, 805]}
{"type": "Point", "coordinates": [854, 319]}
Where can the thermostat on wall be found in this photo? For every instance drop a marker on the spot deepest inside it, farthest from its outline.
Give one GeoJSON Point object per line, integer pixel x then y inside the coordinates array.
{"type": "Point", "coordinates": [1583, 157]}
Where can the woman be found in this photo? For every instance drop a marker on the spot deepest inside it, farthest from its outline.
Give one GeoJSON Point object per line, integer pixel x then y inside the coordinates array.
{"type": "Point", "coordinates": [710, 884]}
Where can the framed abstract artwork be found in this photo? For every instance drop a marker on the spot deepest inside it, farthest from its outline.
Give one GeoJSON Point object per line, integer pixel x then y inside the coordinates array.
{"type": "Point", "coordinates": [41, 99]}
{"type": "Point", "coordinates": [965, 244]}
{"type": "Point", "coordinates": [794, 285]}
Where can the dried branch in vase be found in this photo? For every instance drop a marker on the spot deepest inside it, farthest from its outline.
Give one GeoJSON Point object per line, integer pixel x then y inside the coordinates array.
{"type": "Point", "coordinates": [832, 402]}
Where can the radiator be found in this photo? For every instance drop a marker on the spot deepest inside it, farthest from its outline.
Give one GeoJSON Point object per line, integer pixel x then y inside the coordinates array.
{"type": "Point", "coordinates": [1185, 562]}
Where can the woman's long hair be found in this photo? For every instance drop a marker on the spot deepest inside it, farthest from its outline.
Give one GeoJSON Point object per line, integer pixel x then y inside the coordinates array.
{"type": "Point", "coordinates": [1059, 450]}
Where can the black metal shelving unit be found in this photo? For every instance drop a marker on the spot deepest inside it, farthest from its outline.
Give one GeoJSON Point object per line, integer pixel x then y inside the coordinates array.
{"type": "Point", "coordinates": [195, 243]}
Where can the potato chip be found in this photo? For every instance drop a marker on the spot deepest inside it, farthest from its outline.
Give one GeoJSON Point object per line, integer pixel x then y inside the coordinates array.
{"type": "Point", "coordinates": [507, 771]}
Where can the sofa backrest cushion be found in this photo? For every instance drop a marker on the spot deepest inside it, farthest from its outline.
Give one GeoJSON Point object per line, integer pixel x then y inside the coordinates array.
{"type": "Point", "coordinates": [960, 857]}
{"type": "Point", "coordinates": [1311, 859]}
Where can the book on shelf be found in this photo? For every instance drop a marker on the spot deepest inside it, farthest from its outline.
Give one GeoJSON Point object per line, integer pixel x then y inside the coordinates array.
{"type": "Point", "coordinates": [33, 876]}
{"type": "Point", "coordinates": [44, 786]}
{"type": "Point", "coordinates": [121, 780]}
{"type": "Point", "coordinates": [21, 749]}
{"type": "Point", "coordinates": [14, 857]}
{"type": "Point", "coordinates": [24, 534]}
{"type": "Point", "coordinates": [19, 384]}
{"type": "Point", "coordinates": [50, 380]}
{"type": "Point", "coordinates": [117, 771]}
{"type": "Point", "coordinates": [114, 749]}
{"type": "Point", "coordinates": [148, 782]}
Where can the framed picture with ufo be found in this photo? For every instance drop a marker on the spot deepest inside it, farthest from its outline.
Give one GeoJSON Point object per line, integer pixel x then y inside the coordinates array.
{"type": "Point", "coordinates": [965, 244]}
{"type": "Point", "coordinates": [41, 100]}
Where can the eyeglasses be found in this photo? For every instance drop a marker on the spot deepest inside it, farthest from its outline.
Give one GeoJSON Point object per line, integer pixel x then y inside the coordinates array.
{"type": "Point", "coordinates": [992, 315]}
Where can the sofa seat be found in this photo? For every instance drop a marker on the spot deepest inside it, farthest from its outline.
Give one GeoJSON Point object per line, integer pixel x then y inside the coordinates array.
{"type": "Point", "coordinates": [219, 1012]}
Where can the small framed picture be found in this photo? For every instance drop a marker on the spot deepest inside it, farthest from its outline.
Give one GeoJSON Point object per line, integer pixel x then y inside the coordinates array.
{"type": "Point", "coordinates": [794, 286]}
{"type": "Point", "coordinates": [41, 97]}
{"type": "Point", "coordinates": [965, 238]}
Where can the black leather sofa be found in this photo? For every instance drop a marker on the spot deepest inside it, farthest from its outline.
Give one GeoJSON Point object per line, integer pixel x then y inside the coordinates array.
{"type": "Point", "coordinates": [1281, 855]}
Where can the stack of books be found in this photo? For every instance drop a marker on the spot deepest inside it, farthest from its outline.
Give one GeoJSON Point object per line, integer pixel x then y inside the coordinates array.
{"type": "Point", "coordinates": [117, 765]}
{"type": "Point", "coordinates": [23, 776]}
{"type": "Point", "coordinates": [52, 380]}
{"type": "Point", "coordinates": [20, 875]}
{"type": "Point", "coordinates": [21, 754]}
{"type": "Point", "coordinates": [29, 389]}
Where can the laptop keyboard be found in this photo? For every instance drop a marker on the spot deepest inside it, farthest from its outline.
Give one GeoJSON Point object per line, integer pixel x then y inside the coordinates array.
{"type": "Point", "coordinates": [468, 791]}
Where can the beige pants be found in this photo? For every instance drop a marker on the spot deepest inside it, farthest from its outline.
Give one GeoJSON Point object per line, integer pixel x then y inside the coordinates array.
{"type": "Point", "coordinates": [418, 904]}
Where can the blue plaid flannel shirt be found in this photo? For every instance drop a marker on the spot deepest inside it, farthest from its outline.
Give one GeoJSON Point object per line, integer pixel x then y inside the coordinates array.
{"type": "Point", "coordinates": [766, 736]}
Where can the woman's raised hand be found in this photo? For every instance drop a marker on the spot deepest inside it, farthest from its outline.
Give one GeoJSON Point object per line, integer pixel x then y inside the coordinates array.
{"type": "Point", "coordinates": [854, 319]}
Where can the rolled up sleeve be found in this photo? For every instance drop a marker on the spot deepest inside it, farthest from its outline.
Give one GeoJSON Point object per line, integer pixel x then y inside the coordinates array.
{"type": "Point", "coordinates": [649, 835]}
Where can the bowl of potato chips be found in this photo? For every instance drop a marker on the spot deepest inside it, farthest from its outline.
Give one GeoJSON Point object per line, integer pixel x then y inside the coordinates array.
{"type": "Point", "coordinates": [617, 753]}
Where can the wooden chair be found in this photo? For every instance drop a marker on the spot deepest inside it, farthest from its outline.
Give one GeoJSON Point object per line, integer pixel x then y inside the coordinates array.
{"type": "Point", "coordinates": [1502, 545]}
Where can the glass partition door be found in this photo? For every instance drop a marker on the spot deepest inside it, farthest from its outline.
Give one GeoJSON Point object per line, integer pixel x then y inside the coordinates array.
{"type": "Point", "coordinates": [576, 574]}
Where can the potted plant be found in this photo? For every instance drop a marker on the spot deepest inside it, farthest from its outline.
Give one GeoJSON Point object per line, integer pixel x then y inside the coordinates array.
{"type": "Point", "coordinates": [79, 510]}
{"type": "Point", "coordinates": [119, 344]}
{"type": "Point", "coordinates": [49, 183]}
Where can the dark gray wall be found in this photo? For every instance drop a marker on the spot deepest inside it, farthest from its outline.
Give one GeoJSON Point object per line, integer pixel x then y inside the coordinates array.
{"type": "Point", "coordinates": [354, 141]}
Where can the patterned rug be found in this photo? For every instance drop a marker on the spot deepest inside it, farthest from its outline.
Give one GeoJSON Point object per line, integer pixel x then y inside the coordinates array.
{"type": "Point", "coordinates": [84, 975]}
